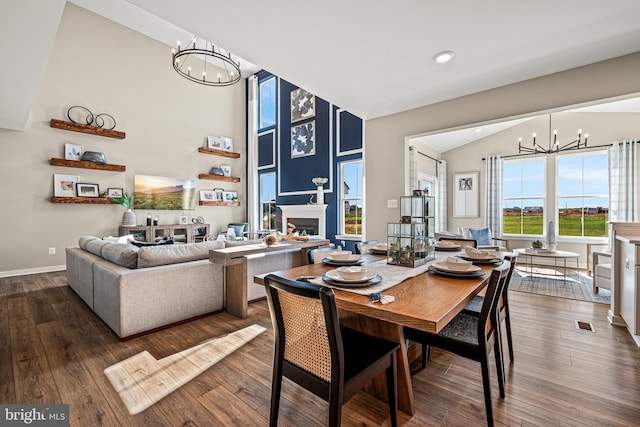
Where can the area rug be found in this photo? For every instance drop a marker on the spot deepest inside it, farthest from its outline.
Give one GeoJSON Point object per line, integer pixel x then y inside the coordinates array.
{"type": "Point", "coordinates": [549, 281]}
{"type": "Point", "coordinates": [141, 380]}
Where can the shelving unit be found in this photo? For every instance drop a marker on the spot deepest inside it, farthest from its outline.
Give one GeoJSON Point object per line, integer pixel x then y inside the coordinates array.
{"type": "Point", "coordinates": [215, 152]}
{"type": "Point", "coordinates": [218, 177]}
{"type": "Point", "coordinates": [180, 233]}
{"type": "Point", "coordinates": [87, 165]}
{"type": "Point", "coordinates": [207, 203]}
{"type": "Point", "coordinates": [85, 200]}
{"type": "Point", "coordinates": [82, 128]}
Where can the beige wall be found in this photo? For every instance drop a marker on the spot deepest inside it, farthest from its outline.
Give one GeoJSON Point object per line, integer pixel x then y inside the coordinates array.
{"type": "Point", "coordinates": [385, 136]}
{"type": "Point", "coordinates": [109, 68]}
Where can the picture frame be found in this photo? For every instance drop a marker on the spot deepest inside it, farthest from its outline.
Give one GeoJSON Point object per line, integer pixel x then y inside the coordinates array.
{"type": "Point", "coordinates": [303, 140]}
{"type": "Point", "coordinates": [466, 196]}
{"type": "Point", "coordinates": [114, 193]}
{"type": "Point", "coordinates": [229, 196]}
{"type": "Point", "coordinates": [73, 151]}
{"type": "Point", "coordinates": [207, 196]}
{"type": "Point", "coordinates": [218, 194]}
{"type": "Point", "coordinates": [183, 220]}
{"type": "Point", "coordinates": [303, 105]}
{"type": "Point", "coordinates": [227, 143]}
{"type": "Point", "coordinates": [215, 142]}
{"type": "Point", "coordinates": [84, 189]}
{"type": "Point", "coordinates": [64, 185]}
{"type": "Point", "coordinates": [226, 170]}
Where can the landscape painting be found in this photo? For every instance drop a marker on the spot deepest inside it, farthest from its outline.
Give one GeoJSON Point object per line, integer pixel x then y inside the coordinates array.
{"type": "Point", "coordinates": [163, 193]}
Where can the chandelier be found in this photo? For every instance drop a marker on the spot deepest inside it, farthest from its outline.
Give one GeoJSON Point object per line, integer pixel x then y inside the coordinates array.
{"type": "Point", "coordinates": [554, 147]}
{"type": "Point", "coordinates": [191, 63]}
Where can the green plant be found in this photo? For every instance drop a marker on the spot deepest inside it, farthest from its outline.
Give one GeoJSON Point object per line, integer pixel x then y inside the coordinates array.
{"type": "Point", "coordinates": [126, 200]}
{"type": "Point", "coordinates": [537, 243]}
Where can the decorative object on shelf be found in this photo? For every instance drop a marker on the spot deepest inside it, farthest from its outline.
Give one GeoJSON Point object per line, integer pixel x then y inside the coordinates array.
{"type": "Point", "coordinates": [164, 193]}
{"type": "Point", "coordinates": [129, 217]}
{"type": "Point", "coordinates": [73, 151]}
{"type": "Point", "coordinates": [218, 194]}
{"type": "Point", "coordinates": [93, 156]}
{"type": "Point", "coordinates": [207, 195]}
{"type": "Point", "coordinates": [64, 185]}
{"type": "Point", "coordinates": [226, 170]}
{"type": "Point", "coordinates": [270, 239]}
{"type": "Point", "coordinates": [465, 194]}
{"type": "Point", "coordinates": [199, 52]}
{"type": "Point", "coordinates": [554, 147]}
{"type": "Point", "coordinates": [319, 182]}
{"type": "Point", "coordinates": [303, 105]}
{"type": "Point", "coordinates": [303, 140]}
{"type": "Point", "coordinates": [155, 221]}
{"type": "Point", "coordinates": [418, 193]}
{"type": "Point", "coordinates": [214, 142]}
{"type": "Point", "coordinates": [183, 219]}
{"type": "Point", "coordinates": [87, 190]}
{"type": "Point", "coordinates": [113, 193]}
{"type": "Point", "coordinates": [149, 220]}
{"type": "Point", "coordinates": [537, 244]}
{"type": "Point", "coordinates": [96, 120]}
{"type": "Point", "coordinates": [197, 220]}
{"type": "Point", "coordinates": [229, 196]}
{"type": "Point", "coordinates": [217, 171]}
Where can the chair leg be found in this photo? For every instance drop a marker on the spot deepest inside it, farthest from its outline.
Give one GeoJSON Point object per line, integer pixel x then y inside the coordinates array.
{"type": "Point", "coordinates": [507, 322]}
{"type": "Point", "coordinates": [426, 352]}
{"type": "Point", "coordinates": [335, 405]}
{"type": "Point", "coordinates": [276, 387]}
{"type": "Point", "coordinates": [484, 366]}
{"type": "Point", "coordinates": [497, 350]}
{"type": "Point", "coordinates": [392, 390]}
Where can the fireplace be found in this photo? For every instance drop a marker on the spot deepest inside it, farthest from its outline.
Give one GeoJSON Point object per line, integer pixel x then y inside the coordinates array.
{"type": "Point", "coordinates": [305, 217]}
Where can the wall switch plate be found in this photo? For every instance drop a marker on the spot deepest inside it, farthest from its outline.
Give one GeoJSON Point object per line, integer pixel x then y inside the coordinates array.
{"type": "Point", "coordinates": [52, 251]}
{"type": "Point", "coordinates": [392, 203]}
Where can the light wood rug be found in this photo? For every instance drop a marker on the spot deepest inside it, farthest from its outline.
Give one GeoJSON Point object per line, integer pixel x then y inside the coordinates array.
{"type": "Point", "coordinates": [141, 380]}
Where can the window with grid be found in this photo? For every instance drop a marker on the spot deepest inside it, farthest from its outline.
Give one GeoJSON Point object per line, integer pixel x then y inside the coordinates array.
{"type": "Point", "coordinates": [351, 197]}
{"type": "Point", "coordinates": [268, 201]}
{"type": "Point", "coordinates": [267, 103]}
{"type": "Point", "coordinates": [523, 196]}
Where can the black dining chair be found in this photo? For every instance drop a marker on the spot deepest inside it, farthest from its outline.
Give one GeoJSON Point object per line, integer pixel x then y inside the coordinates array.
{"type": "Point", "coordinates": [460, 241]}
{"type": "Point", "coordinates": [315, 255]}
{"type": "Point", "coordinates": [472, 337]}
{"type": "Point", "coordinates": [313, 350]}
{"type": "Point", "coordinates": [359, 245]}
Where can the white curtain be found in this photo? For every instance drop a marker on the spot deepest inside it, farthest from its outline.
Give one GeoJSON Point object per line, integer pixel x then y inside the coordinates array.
{"type": "Point", "coordinates": [623, 181]}
{"type": "Point", "coordinates": [441, 203]}
{"type": "Point", "coordinates": [413, 169]}
{"type": "Point", "coordinates": [253, 183]}
{"type": "Point", "coordinates": [493, 205]}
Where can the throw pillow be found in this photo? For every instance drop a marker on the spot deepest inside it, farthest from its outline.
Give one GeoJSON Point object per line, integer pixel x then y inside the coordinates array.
{"type": "Point", "coordinates": [142, 244]}
{"type": "Point", "coordinates": [482, 235]}
{"type": "Point", "coordinates": [238, 229]}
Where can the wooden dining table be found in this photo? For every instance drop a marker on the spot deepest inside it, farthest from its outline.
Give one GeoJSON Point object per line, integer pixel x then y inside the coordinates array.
{"type": "Point", "coordinates": [425, 302]}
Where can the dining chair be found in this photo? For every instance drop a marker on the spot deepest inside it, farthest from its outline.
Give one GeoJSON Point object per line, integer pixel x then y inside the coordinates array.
{"type": "Point", "coordinates": [460, 241]}
{"type": "Point", "coordinates": [472, 337]}
{"type": "Point", "coordinates": [359, 245]}
{"type": "Point", "coordinates": [315, 255]}
{"type": "Point", "coordinates": [313, 350]}
{"type": "Point", "coordinates": [475, 306]}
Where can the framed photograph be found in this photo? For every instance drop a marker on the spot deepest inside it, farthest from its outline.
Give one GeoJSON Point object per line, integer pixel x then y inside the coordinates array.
{"type": "Point", "coordinates": [207, 196]}
{"type": "Point", "coordinates": [114, 193]}
{"type": "Point", "coordinates": [303, 105]}
{"type": "Point", "coordinates": [227, 143]}
{"type": "Point", "coordinates": [64, 185]}
{"type": "Point", "coordinates": [164, 193]}
{"type": "Point", "coordinates": [183, 219]}
{"type": "Point", "coordinates": [466, 195]}
{"type": "Point", "coordinates": [229, 196]}
{"type": "Point", "coordinates": [73, 151]}
{"type": "Point", "coordinates": [215, 142]}
{"type": "Point", "coordinates": [303, 140]}
{"type": "Point", "coordinates": [87, 190]}
{"type": "Point", "coordinates": [218, 194]}
{"type": "Point", "coordinates": [226, 170]}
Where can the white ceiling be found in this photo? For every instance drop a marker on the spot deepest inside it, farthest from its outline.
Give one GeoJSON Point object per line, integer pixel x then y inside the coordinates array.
{"type": "Point", "coordinates": [371, 57]}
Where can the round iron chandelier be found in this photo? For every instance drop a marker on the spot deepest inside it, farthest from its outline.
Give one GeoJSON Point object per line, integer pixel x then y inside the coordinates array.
{"type": "Point", "coordinates": [192, 62]}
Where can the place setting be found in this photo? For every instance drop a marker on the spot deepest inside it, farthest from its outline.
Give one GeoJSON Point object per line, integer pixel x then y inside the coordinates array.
{"type": "Point", "coordinates": [342, 259]}
{"type": "Point", "coordinates": [351, 277]}
{"type": "Point", "coordinates": [480, 257]}
{"type": "Point", "coordinates": [445, 245]}
{"type": "Point", "coordinates": [456, 267]}
{"type": "Point", "coordinates": [378, 249]}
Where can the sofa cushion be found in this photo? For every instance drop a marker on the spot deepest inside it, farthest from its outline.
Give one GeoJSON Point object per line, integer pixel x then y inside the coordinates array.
{"type": "Point", "coordinates": [482, 235]}
{"type": "Point", "coordinates": [82, 242]}
{"type": "Point", "coordinates": [151, 256]}
{"type": "Point", "coordinates": [122, 254]}
{"type": "Point", "coordinates": [95, 246]}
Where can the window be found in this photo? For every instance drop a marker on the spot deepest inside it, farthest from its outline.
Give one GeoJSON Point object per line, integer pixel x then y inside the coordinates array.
{"type": "Point", "coordinates": [268, 201]}
{"type": "Point", "coordinates": [267, 103]}
{"type": "Point", "coordinates": [583, 194]}
{"type": "Point", "coordinates": [523, 194]}
{"type": "Point", "coordinates": [351, 197]}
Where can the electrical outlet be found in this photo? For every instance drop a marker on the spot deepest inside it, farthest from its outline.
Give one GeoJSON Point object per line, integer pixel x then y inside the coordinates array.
{"type": "Point", "coordinates": [343, 243]}
{"type": "Point", "coordinates": [52, 251]}
{"type": "Point", "coordinates": [392, 203]}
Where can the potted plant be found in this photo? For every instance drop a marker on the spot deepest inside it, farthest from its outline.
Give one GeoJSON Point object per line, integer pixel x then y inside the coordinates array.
{"type": "Point", "coordinates": [129, 217]}
{"type": "Point", "coordinates": [536, 244]}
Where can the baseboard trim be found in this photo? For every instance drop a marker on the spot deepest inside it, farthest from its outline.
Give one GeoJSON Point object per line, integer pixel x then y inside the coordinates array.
{"type": "Point", "coordinates": [48, 269]}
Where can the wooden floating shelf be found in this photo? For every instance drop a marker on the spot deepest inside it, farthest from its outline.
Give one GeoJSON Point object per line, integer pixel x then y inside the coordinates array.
{"type": "Point", "coordinates": [206, 203]}
{"type": "Point", "coordinates": [87, 200]}
{"type": "Point", "coordinates": [87, 165]}
{"type": "Point", "coordinates": [218, 177]}
{"type": "Point", "coordinates": [215, 152]}
{"type": "Point", "coordinates": [82, 128]}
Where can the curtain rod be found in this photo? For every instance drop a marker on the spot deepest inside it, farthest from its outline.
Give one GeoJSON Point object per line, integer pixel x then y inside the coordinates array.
{"type": "Point", "coordinates": [570, 149]}
{"type": "Point", "coordinates": [426, 155]}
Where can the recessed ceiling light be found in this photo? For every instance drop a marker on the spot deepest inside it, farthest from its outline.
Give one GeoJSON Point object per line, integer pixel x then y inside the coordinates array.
{"type": "Point", "coordinates": [444, 56]}
{"type": "Point", "coordinates": [476, 130]}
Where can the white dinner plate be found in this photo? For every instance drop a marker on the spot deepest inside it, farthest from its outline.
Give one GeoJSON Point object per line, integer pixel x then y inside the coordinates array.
{"type": "Point", "coordinates": [352, 258]}
{"type": "Point", "coordinates": [444, 267]}
{"type": "Point", "coordinates": [335, 276]}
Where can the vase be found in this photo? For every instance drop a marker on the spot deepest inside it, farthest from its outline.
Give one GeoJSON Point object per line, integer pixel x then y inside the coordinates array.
{"type": "Point", "coordinates": [320, 197]}
{"type": "Point", "coordinates": [129, 217]}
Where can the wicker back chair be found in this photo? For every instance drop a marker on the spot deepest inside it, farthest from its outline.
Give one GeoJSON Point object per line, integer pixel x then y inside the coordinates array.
{"type": "Point", "coordinates": [358, 246]}
{"type": "Point", "coordinates": [462, 242]}
{"type": "Point", "coordinates": [313, 350]}
{"type": "Point", "coordinates": [314, 256]}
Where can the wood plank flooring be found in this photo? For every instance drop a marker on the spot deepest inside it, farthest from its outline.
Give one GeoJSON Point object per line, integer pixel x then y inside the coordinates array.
{"type": "Point", "coordinates": [54, 350]}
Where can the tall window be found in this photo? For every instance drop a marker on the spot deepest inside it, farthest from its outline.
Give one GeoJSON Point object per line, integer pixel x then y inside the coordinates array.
{"type": "Point", "coordinates": [267, 102]}
{"type": "Point", "coordinates": [268, 201]}
{"type": "Point", "coordinates": [583, 194]}
{"type": "Point", "coordinates": [351, 197]}
{"type": "Point", "coordinates": [523, 197]}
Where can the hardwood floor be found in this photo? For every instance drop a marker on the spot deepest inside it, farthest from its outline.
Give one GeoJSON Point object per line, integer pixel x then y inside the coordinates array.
{"type": "Point", "coordinates": [54, 350]}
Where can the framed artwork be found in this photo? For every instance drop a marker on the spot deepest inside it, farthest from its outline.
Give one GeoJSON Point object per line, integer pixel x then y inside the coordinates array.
{"type": "Point", "coordinates": [303, 105]}
{"type": "Point", "coordinates": [227, 143]}
{"type": "Point", "coordinates": [303, 140]}
{"type": "Point", "coordinates": [229, 196]}
{"type": "Point", "coordinates": [64, 185]}
{"type": "Point", "coordinates": [218, 194]}
{"type": "Point", "coordinates": [164, 193]}
{"type": "Point", "coordinates": [466, 196]}
{"type": "Point", "coordinates": [226, 170]}
{"type": "Point", "coordinates": [114, 193]}
{"type": "Point", "coordinates": [73, 151]}
{"type": "Point", "coordinates": [215, 142]}
{"type": "Point", "coordinates": [207, 196]}
{"type": "Point", "coordinates": [87, 190]}
{"type": "Point", "coordinates": [183, 219]}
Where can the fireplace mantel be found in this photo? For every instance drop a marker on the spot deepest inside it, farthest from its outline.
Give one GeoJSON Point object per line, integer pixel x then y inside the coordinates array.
{"type": "Point", "coordinates": [305, 211]}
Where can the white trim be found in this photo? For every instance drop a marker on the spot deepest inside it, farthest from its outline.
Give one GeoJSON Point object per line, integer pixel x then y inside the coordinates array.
{"type": "Point", "coordinates": [272, 131]}
{"type": "Point", "coordinates": [339, 152]}
{"type": "Point", "coordinates": [37, 270]}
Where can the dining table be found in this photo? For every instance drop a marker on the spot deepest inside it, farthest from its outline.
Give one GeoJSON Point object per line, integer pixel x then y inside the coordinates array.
{"type": "Point", "coordinates": [422, 300]}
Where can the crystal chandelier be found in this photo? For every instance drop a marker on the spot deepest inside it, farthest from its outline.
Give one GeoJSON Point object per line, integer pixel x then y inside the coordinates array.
{"type": "Point", "coordinates": [192, 62]}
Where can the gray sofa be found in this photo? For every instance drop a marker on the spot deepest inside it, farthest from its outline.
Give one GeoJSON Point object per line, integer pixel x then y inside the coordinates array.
{"type": "Point", "coordinates": [135, 290]}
